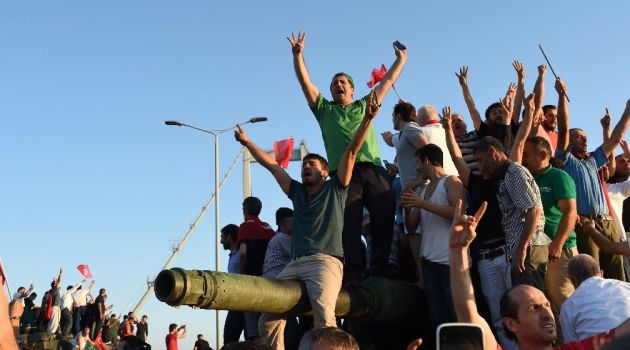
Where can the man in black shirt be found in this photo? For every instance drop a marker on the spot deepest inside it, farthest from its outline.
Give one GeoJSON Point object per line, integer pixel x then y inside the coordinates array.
{"type": "Point", "coordinates": [201, 344]}
{"type": "Point", "coordinates": [142, 328]}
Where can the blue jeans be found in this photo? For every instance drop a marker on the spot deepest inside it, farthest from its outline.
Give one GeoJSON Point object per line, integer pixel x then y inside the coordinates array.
{"type": "Point", "coordinates": [437, 285]}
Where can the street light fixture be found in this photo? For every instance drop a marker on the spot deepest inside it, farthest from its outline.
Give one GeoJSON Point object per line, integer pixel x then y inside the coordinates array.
{"type": "Point", "coordinates": [216, 134]}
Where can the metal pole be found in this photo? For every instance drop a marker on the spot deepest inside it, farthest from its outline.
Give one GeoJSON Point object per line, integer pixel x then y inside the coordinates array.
{"type": "Point", "coordinates": [217, 242]}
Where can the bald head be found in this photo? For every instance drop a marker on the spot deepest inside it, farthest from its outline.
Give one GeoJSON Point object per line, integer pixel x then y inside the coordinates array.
{"type": "Point", "coordinates": [582, 267]}
{"type": "Point", "coordinates": [426, 114]}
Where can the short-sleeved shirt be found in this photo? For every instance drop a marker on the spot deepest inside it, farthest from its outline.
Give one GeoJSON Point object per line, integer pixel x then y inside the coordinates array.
{"type": "Point", "coordinates": [171, 341]}
{"type": "Point", "coordinates": [202, 344]}
{"type": "Point", "coordinates": [479, 190]}
{"type": "Point", "coordinates": [406, 152]}
{"type": "Point", "coordinates": [255, 234]}
{"type": "Point", "coordinates": [339, 124]}
{"type": "Point", "coordinates": [318, 218]}
{"type": "Point", "coordinates": [142, 330]}
{"type": "Point", "coordinates": [518, 192]}
{"type": "Point", "coordinates": [590, 196]}
{"type": "Point", "coordinates": [554, 185]}
{"type": "Point", "coordinates": [278, 255]}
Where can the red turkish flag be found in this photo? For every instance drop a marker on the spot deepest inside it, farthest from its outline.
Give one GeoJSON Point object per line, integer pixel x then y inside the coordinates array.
{"type": "Point", "coordinates": [377, 75]}
{"type": "Point", "coordinates": [84, 270]}
{"type": "Point", "coordinates": [283, 149]}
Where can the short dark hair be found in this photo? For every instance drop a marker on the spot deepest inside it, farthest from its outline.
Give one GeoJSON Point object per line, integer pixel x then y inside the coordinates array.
{"type": "Point", "coordinates": [101, 290]}
{"type": "Point", "coordinates": [332, 336]}
{"type": "Point", "coordinates": [283, 213]}
{"type": "Point", "coordinates": [546, 108]}
{"type": "Point", "coordinates": [172, 327]}
{"type": "Point", "coordinates": [483, 144]}
{"type": "Point", "coordinates": [321, 159]}
{"type": "Point", "coordinates": [509, 308]}
{"type": "Point", "coordinates": [230, 230]}
{"type": "Point", "coordinates": [432, 152]}
{"type": "Point", "coordinates": [491, 107]}
{"type": "Point", "coordinates": [406, 111]}
{"type": "Point", "coordinates": [540, 144]}
{"type": "Point", "coordinates": [199, 335]}
{"type": "Point", "coordinates": [252, 205]}
{"type": "Point", "coordinates": [342, 74]}
{"type": "Point", "coordinates": [582, 267]}
{"type": "Point", "coordinates": [69, 287]}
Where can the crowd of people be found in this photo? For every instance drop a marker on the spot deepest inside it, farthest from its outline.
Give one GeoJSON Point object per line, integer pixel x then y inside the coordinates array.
{"type": "Point", "coordinates": [554, 212]}
{"type": "Point", "coordinates": [74, 315]}
{"type": "Point", "coordinates": [512, 225]}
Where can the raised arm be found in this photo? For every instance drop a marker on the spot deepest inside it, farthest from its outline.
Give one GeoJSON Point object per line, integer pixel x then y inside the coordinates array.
{"type": "Point", "coordinates": [297, 47]}
{"type": "Point", "coordinates": [346, 163]}
{"type": "Point", "coordinates": [520, 91]}
{"type": "Point", "coordinates": [58, 280]}
{"type": "Point", "coordinates": [262, 157]}
{"type": "Point", "coordinates": [453, 148]}
{"type": "Point", "coordinates": [617, 134]}
{"type": "Point", "coordinates": [470, 103]}
{"type": "Point", "coordinates": [392, 74]}
{"type": "Point", "coordinates": [516, 152]}
{"type": "Point", "coordinates": [605, 122]}
{"type": "Point", "coordinates": [507, 101]}
{"type": "Point", "coordinates": [539, 86]}
{"type": "Point", "coordinates": [563, 116]}
{"type": "Point", "coordinates": [462, 234]}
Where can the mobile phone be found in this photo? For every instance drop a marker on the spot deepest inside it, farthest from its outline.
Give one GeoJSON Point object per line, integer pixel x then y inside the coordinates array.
{"type": "Point", "coordinates": [386, 162]}
{"type": "Point", "coordinates": [399, 45]}
{"type": "Point", "coordinates": [460, 336]}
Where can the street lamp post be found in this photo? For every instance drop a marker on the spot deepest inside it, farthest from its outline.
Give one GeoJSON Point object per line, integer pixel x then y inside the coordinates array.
{"type": "Point", "coordinates": [216, 134]}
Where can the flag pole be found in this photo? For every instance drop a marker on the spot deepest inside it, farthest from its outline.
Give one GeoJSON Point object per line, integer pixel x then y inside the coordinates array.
{"type": "Point", "coordinates": [551, 67]}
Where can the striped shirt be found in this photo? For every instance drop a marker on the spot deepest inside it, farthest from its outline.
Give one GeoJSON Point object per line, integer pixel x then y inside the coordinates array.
{"type": "Point", "coordinates": [278, 255]}
{"type": "Point", "coordinates": [518, 192]}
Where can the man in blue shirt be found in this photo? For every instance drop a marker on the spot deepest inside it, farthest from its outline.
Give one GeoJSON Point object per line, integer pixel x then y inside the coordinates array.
{"type": "Point", "coordinates": [583, 167]}
{"type": "Point", "coordinates": [234, 321]}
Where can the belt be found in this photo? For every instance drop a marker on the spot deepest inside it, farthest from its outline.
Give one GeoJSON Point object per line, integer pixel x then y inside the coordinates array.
{"type": "Point", "coordinates": [491, 254]}
{"type": "Point", "coordinates": [305, 255]}
{"type": "Point", "coordinates": [603, 217]}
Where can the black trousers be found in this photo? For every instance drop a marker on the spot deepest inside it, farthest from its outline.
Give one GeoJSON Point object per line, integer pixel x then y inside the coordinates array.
{"type": "Point", "coordinates": [370, 187]}
{"type": "Point", "coordinates": [233, 327]}
{"type": "Point", "coordinates": [66, 321]}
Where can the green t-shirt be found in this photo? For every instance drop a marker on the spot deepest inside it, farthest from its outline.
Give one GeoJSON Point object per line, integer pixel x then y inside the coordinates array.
{"type": "Point", "coordinates": [338, 125]}
{"type": "Point", "coordinates": [317, 219]}
{"type": "Point", "coordinates": [555, 184]}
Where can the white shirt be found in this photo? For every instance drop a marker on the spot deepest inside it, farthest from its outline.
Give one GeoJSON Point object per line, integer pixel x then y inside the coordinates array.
{"type": "Point", "coordinates": [435, 228]}
{"type": "Point", "coordinates": [68, 299]}
{"type": "Point", "coordinates": [596, 306]}
{"type": "Point", "coordinates": [617, 193]}
{"type": "Point", "coordinates": [80, 297]}
{"type": "Point", "coordinates": [436, 135]}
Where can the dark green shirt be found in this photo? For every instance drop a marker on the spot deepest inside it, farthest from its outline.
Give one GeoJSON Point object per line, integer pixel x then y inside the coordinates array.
{"type": "Point", "coordinates": [338, 125]}
{"type": "Point", "coordinates": [555, 184]}
{"type": "Point", "coordinates": [318, 219]}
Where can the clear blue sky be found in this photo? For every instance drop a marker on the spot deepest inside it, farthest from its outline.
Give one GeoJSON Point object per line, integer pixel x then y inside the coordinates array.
{"type": "Point", "coordinates": [90, 173]}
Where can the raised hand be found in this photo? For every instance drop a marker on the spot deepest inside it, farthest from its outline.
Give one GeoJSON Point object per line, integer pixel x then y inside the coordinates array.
{"type": "Point", "coordinates": [529, 102]}
{"type": "Point", "coordinates": [624, 146]}
{"type": "Point", "coordinates": [240, 135]}
{"type": "Point", "coordinates": [560, 86]}
{"type": "Point", "coordinates": [463, 75]}
{"type": "Point", "coordinates": [372, 107]}
{"type": "Point", "coordinates": [542, 69]}
{"type": "Point", "coordinates": [605, 121]}
{"type": "Point", "coordinates": [400, 54]}
{"type": "Point", "coordinates": [463, 227]}
{"type": "Point", "coordinates": [387, 137]}
{"type": "Point", "coordinates": [297, 44]}
{"type": "Point", "coordinates": [445, 118]}
{"type": "Point", "coordinates": [520, 71]}
{"type": "Point", "coordinates": [506, 102]}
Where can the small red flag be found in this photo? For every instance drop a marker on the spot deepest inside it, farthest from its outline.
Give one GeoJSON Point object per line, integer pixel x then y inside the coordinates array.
{"type": "Point", "coordinates": [84, 270]}
{"type": "Point", "coordinates": [283, 149]}
{"type": "Point", "coordinates": [377, 75]}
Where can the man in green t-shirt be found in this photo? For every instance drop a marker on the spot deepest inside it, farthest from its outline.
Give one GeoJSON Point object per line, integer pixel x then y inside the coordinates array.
{"type": "Point", "coordinates": [557, 191]}
{"type": "Point", "coordinates": [370, 185]}
{"type": "Point", "coordinates": [316, 247]}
